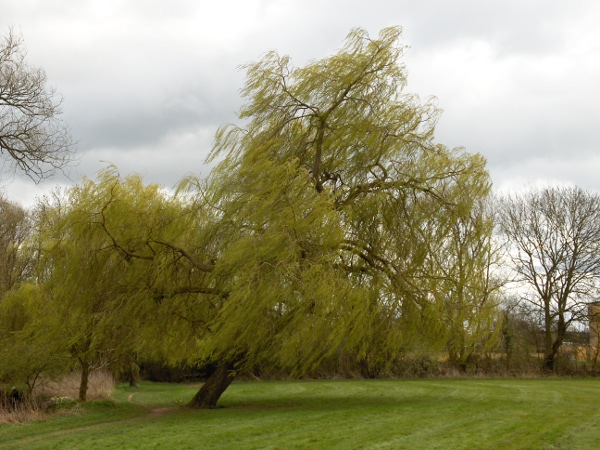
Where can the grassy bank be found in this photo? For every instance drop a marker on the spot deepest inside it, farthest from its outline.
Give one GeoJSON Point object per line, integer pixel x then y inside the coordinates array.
{"type": "Point", "coordinates": [460, 414]}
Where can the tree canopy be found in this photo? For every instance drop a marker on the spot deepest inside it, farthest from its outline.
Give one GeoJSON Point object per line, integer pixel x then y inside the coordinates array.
{"type": "Point", "coordinates": [333, 222]}
{"type": "Point", "coordinates": [330, 204]}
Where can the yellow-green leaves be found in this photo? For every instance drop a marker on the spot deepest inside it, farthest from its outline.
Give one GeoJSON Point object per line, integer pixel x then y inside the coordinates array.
{"type": "Point", "coordinates": [339, 214]}
{"type": "Point", "coordinates": [333, 223]}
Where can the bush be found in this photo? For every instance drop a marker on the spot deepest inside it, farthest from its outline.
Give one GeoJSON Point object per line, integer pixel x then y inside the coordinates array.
{"type": "Point", "coordinates": [17, 406]}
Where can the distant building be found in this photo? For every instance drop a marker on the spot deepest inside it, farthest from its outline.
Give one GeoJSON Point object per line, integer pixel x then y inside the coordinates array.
{"type": "Point", "coordinates": [594, 319]}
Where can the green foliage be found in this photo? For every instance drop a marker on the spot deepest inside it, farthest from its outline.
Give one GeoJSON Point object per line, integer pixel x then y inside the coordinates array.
{"type": "Point", "coordinates": [333, 223]}
{"type": "Point", "coordinates": [341, 222]}
{"type": "Point", "coordinates": [24, 340]}
{"type": "Point", "coordinates": [95, 288]}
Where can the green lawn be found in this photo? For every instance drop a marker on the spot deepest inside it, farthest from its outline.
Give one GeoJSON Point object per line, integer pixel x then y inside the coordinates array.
{"type": "Point", "coordinates": [396, 414]}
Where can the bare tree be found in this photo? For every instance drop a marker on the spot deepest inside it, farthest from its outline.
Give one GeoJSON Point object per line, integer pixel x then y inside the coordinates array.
{"type": "Point", "coordinates": [553, 237]}
{"type": "Point", "coordinates": [33, 138]}
{"type": "Point", "coordinates": [14, 229]}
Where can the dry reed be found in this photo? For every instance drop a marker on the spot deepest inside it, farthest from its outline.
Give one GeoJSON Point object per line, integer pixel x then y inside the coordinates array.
{"type": "Point", "coordinates": [61, 391]}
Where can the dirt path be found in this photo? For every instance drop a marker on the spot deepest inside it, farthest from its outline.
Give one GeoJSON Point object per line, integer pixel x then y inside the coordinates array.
{"type": "Point", "coordinates": [153, 412]}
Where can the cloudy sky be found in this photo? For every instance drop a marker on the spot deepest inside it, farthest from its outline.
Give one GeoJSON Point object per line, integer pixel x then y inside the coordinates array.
{"type": "Point", "coordinates": [146, 83]}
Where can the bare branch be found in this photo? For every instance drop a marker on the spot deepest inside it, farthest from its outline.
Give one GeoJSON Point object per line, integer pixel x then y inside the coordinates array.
{"type": "Point", "coordinates": [33, 138]}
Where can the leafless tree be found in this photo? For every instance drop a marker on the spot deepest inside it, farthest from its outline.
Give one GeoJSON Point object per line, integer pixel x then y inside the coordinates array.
{"type": "Point", "coordinates": [14, 229]}
{"type": "Point", "coordinates": [33, 138]}
{"type": "Point", "coordinates": [553, 238]}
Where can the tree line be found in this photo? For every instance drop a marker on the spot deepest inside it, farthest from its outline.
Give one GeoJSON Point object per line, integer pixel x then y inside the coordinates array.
{"type": "Point", "coordinates": [333, 225]}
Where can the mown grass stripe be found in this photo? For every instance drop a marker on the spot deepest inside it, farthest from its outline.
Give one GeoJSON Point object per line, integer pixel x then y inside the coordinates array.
{"type": "Point", "coordinates": [427, 414]}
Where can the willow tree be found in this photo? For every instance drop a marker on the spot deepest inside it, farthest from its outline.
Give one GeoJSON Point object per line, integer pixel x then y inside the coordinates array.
{"type": "Point", "coordinates": [310, 235]}
{"type": "Point", "coordinates": [309, 206]}
{"type": "Point", "coordinates": [97, 291]}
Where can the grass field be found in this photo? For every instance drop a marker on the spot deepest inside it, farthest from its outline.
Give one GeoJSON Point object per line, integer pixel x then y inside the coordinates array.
{"type": "Point", "coordinates": [396, 414]}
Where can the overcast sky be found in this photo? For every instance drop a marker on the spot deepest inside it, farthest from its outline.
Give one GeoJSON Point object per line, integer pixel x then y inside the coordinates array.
{"type": "Point", "coordinates": [146, 83]}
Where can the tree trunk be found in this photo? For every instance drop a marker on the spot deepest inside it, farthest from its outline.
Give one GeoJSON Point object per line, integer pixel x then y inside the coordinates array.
{"type": "Point", "coordinates": [548, 341]}
{"type": "Point", "coordinates": [211, 390]}
{"type": "Point", "coordinates": [83, 385]}
{"type": "Point", "coordinates": [552, 352]}
{"type": "Point", "coordinates": [133, 374]}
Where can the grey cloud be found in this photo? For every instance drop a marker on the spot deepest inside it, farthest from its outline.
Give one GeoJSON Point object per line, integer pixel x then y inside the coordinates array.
{"type": "Point", "coordinates": [137, 121]}
{"type": "Point", "coordinates": [148, 82]}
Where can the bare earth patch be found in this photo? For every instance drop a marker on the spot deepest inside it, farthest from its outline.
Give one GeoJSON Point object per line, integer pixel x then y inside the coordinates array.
{"type": "Point", "coordinates": [154, 412]}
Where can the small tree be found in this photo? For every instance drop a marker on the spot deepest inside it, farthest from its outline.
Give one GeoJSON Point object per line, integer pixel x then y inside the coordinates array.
{"type": "Point", "coordinates": [21, 340]}
{"type": "Point", "coordinates": [33, 139]}
{"type": "Point", "coordinates": [27, 347]}
{"type": "Point", "coordinates": [14, 230]}
{"type": "Point", "coordinates": [92, 287]}
{"type": "Point", "coordinates": [521, 335]}
{"type": "Point", "coordinates": [553, 241]}
{"type": "Point", "coordinates": [466, 256]}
